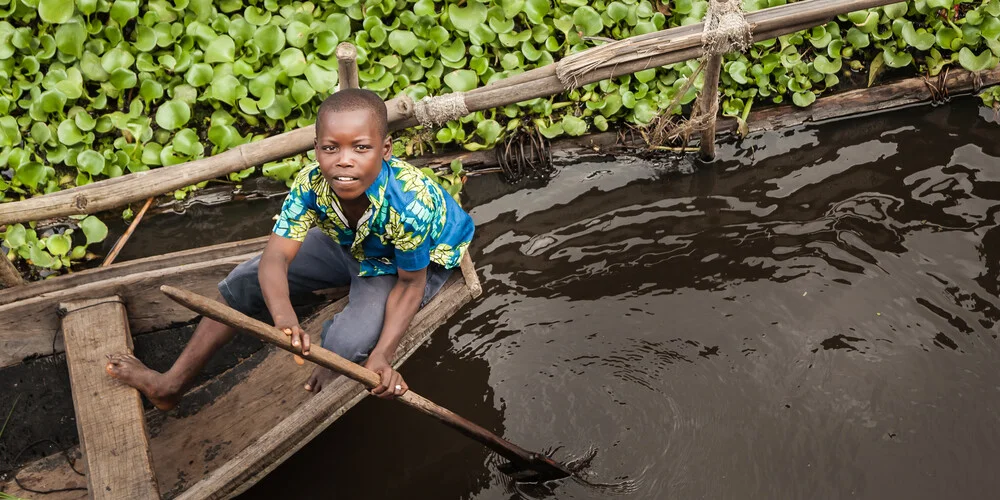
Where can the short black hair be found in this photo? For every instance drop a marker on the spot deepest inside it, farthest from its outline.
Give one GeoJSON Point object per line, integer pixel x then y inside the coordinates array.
{"type": "Point", "coordinates": [355, 99]}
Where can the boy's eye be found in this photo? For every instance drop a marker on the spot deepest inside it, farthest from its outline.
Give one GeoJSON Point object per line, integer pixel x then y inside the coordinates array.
{"type": "Point", "coordinates": [329, 148]}
{"type": "Point", "coordinates": [363, 147]}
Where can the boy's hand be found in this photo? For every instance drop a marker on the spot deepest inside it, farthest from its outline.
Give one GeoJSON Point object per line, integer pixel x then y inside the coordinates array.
{"type": "Point", "coordinates": [392, 385]}
{"type": "Point", "coordinates": [292, 329]}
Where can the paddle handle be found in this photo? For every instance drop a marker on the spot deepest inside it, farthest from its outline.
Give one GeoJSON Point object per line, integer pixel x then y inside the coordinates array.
{"type": "Point", "coordinates": [224, 314]}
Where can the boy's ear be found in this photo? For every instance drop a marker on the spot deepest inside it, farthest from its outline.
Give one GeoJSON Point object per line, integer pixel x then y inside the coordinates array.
{"type": "Point", "coordinates": [387, 148]}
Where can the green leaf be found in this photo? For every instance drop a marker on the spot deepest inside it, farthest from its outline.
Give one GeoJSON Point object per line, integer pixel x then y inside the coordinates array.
{"type": "Point", "coordinates": [222, 49]}
{"type": "Point", "coordinates": [919, 39]}
{"type": "Point", "coordinates": [270, 39]}
{"type": "Point", "coordinates": [876, 67]}
{"type": "Point", "coordinates": [894, 59]}
{"type": "Point", "coordinates": [468, 17]}
{"type": "Point", "coordinates": [199, 75]}
{"type": "Point", "coordinates": [123, 10]}
{"type": "Point", "coordinates": [617, 11]}
{"type": "Point", "coordinates": [52, 101]}
{"type": "Point", "coordinates": [56, 11]}
{"type": "Point", "coordinates": [68, 133]}
{"type": "Point", "coordinates": [489, 130]}
{"type": "Point", "coordinates": [10, 132]}
{"type": "Point", "coordinates": [462, 80]}
{"type": "Point", "coordinates": [402, 41]}
{"type": "Point", "coordinates": [857, 38]}
{"type": "Point", "coordinates": [895, 11]}
{"type": "Point", "coordinates": [537, 10]}
{"type": "Point", "coordinates": [738, 71]}
{"type": "Point", "coordinates": [94, 229]}
{"type": "Point", "coordinates": [16, 236]}
{"type": "Point", "coordinates": [826, 66]}
{"type": "Point", "coordinates": [41, 133]}
{"type": "Point", "coordinates": [588, 20]}
{"type": "Point", "coordinates": [573, 125]}
{"type": "Point", "coordinates": [31, 174]}
{"type": "Point", "coordinates": [973, 62]}
{"type": "Point", "coordinates": [70, 38]}
{"type": "Point", "coordinates": [302, 92]}
{"type": "Point", "coordinates": [186, 142]}
{"type": "Point", "coordinates": [90, 161]}
{"type": "Point", "coordinates": [293, 61]}
{"type": "Point", "coordinates": [803, 99]}
{"type": "Point", "coordinates": [320, 79]}
{"type": "Point", "coordinates": [948, 38]}
{"type": "Point", "coordinates": [226, 89]}
{"type": "Point", "coordinates": [172, 114]}
{"type": "Point", "coordinates": [58, 244]}
{"type": "Point", "coordinates": [122, 78]}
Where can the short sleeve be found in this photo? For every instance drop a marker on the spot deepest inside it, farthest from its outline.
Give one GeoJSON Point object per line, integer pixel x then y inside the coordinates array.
{"type": "Point", "coordinates": [411, 241]}
{"type": "Point", "coordinates": [298, 213]}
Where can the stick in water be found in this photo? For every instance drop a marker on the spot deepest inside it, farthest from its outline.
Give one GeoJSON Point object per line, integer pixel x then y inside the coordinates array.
{"type": "Point", "coordinates": [537, 466]}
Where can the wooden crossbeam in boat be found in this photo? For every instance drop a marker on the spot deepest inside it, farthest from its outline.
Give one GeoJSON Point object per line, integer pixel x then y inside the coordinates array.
{"type": "Point", "coordinates": [109, 415]}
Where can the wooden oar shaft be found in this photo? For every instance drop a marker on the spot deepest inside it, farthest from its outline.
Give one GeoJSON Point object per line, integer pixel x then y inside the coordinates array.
{"type": "Point", "coordinates": [328, 359]}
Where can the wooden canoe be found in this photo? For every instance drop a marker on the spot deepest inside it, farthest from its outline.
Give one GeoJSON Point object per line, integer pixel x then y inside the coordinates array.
{"type": "Point", "coordinates": [230, 431]}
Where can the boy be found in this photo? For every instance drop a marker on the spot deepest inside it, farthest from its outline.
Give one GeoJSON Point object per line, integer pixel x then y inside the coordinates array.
{"type": "Point", "coordinates": [382, 227]}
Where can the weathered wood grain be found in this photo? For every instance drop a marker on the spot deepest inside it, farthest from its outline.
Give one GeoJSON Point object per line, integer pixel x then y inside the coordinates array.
{"type": "Point", "coordinates": [173, 259]}
{"type": "Point", "coordinates": [31, 325]}
{"type": "Point", "coordinates": [109, 415]}
{"type": "Point", "coordinates": [9, 275]}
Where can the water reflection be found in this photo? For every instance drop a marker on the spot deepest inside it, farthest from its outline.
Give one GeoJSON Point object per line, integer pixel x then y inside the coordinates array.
{"type": "Point", "coordinates": [812, 316]}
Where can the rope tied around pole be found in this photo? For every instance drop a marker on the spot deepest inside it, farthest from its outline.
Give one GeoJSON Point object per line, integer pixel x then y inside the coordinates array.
{"type": "Point", "coordinates": [726, 28]}
{"type": "Point", "coordinates": [431, 111]}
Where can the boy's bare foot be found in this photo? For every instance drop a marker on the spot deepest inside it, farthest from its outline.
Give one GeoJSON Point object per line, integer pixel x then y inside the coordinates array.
{"type": "Point", "coordinates": [319, 378]}
{"type": "Point", "coordinates": [152, 384]}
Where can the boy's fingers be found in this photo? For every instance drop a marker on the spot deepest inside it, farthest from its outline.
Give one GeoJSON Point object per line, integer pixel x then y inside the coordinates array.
{"type": "Point", "coordinates": [305, 343]}
{"type": "Point", "coordinates": [288, 331]}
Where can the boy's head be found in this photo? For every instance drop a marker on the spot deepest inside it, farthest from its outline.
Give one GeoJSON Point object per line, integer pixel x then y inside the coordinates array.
{"type": "Point", "coordinates": [352, 140]}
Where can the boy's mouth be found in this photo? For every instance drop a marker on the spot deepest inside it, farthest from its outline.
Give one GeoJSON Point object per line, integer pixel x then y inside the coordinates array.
{"type": "Point", "coordinates": [344, 178]}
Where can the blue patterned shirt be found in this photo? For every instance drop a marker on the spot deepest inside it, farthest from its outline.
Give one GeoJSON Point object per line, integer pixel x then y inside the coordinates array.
{"type": "Point", "coordinates": [412, 220]}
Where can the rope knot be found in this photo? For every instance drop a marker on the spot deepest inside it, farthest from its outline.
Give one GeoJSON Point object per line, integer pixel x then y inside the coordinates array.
{"type": "Point", "coordinates": [431, 111]}
{"type": "Point", "coordinates": [726, 28]}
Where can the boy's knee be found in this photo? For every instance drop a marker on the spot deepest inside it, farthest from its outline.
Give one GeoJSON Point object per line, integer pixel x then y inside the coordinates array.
{"type": "Point", "coordinates": [353, 341]}
{"type": "Point", "coordinates": [241, 289]}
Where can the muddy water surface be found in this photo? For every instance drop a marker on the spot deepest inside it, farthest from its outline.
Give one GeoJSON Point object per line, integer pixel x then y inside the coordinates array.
{"type": "Point", "coordinates": [813, 316]}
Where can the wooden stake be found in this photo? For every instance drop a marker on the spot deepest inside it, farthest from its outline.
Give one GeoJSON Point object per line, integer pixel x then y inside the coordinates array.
{"type": "Point", "coordinates": [347, 66]}
{"type": "Point", "coordinates": [708, 103]}
{"type": "Point", "coordinates": [9, 275]}
{"type": "Point", "coordinates": [128, 233]}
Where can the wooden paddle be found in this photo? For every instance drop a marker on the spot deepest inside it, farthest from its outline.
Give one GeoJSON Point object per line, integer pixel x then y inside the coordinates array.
{"type": "Point", "coordinates": [527, 466]}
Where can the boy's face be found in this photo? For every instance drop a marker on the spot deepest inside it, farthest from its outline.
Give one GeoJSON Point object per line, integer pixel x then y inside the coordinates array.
{"type": "Point", "coordinates": [350, 150]}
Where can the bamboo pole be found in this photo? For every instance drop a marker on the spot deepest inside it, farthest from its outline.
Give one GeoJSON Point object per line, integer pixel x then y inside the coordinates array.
{"type": "Point", "coordinates": [110, 259]}
{"type": "Point", "coordinates": [347, 65]}
{"type": "Point", "coordinates": [680, 44]}
{"type": "Point", "coordinates": [708, 106]}
{"type": "Point", "coordinates": [9, 275]}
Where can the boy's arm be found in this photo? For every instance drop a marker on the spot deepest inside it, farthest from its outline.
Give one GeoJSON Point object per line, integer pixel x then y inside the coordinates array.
{"type": "Point", "coordinates": [273, 277]}
{"type": "Point", "coordinates": [402, 304]}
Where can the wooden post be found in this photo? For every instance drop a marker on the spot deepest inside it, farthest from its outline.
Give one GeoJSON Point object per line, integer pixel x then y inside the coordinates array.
{"type": "Point", "coordinates": [708, 106]}
{"type": "Point", "coordinates": [9, 275]}
{"type": "Point", "coordinates": [347, 65]}
{"type": "Point", "coordinates": [109, 415]}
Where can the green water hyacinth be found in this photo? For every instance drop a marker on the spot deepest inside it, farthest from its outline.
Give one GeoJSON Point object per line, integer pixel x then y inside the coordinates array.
{"type": "Point", "coordinates": [91, 89]}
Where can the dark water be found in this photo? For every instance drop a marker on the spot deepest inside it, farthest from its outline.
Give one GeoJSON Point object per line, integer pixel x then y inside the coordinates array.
{"type": "Point", "coordinates": [813, 316]}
